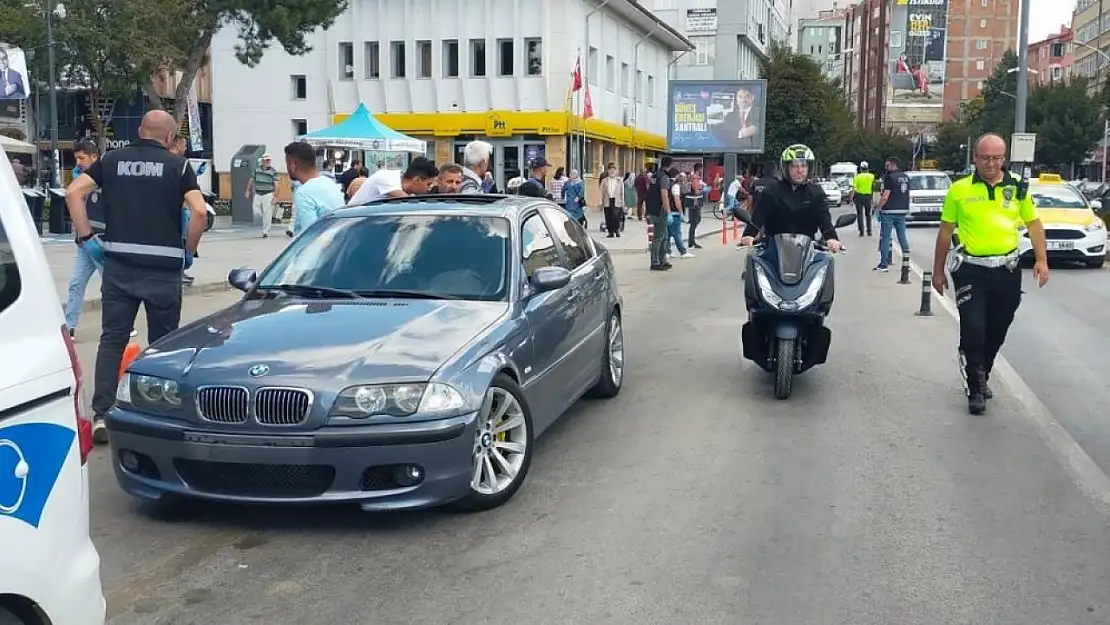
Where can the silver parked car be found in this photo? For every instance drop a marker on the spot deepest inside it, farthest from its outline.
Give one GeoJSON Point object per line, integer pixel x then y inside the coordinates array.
{"type": "Point", "coordinates": [403, 354]}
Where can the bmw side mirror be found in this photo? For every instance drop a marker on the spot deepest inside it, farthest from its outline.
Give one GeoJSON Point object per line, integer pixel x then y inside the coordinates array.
{"type": "Point", "coordinates": [242, 278]}
{"type": "Point", "coordinates": [844, 220]}
{"type": "Point", "coordinates": [549, 279]}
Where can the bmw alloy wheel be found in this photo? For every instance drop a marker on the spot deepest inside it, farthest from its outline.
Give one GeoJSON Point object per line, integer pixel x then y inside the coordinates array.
{"type": "Point", "coordinates": [616, 349]}
{"type": "Point", "coordinates": [500, 443]}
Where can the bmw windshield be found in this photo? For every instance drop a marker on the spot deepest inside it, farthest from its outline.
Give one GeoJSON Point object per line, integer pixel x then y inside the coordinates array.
{"type": "Point", "coordinates": [419, 256]}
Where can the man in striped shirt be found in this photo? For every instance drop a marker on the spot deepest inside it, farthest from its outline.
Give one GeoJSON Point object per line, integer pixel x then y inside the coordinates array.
{"type": "Point", "coordinates": [260, 189]}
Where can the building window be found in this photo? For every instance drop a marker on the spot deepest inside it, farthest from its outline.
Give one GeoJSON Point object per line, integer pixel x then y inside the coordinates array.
{"type": "Point", "coordinates": [1058, 49]}
{"type": "Point", "coordinates": [626, 80]}
{"type": "Point", "coordinates": [701, 50]}
{"type": "Point", "coordinates": [300, 127]}
{"type": "Point", "coordinates": [980, 64]}
{"type": "Point", "coordinates": [423, 59]}
{"type": "Point", "coordinates": [639, 84]}
{"type": "Point", "coordinates": [299, 87]}
{"type": "Point", "coordinates": [593, 67]}
{"type": "Point", "coordinates": [533, 56]}
{"type": "Point", "coordinates": [346, 60]}
{"type": "Point", "coordinates": [651, 90]}
{"type": "Point", "coordinates": [478, 58]}
{"type": "Point", "coordinates": [1057, 73]}
{"type": "Point", "coordinates": [895, 39]}
{"type": "Point", "coordinates": [451, 58]}
{"type": "Point", "coordinates": [397, 59]}
{"type": "Point", "coordinates": [983, 23]}
{"type": "Point", "coordinates": [505, 57]}
{"type": "Point", "coordinates": [610, 73]}
{"type": "Point", "coordinates": [980, 44]}
{"type": "Point", "coordinates": [985, 3]}
{"type": "Point", "coordinates": [373, 60]}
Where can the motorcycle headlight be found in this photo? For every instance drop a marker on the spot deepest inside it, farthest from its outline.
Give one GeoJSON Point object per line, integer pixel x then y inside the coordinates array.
{"type": "Point", "coordinates": [805, 300]}
{"type": "Point", "coordinates": [397, 400]}
{"type": "Point", "coordinates": [147, 390]}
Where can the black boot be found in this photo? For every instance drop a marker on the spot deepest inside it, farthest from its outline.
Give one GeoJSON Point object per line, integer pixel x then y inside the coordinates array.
{"type": "Point", "coordinates": [985, 376]}
{"type": "Point", "coordinates": [976, 402]}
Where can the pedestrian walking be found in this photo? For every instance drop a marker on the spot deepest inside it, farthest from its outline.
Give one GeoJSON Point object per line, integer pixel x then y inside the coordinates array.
{"type": "Point", "coordinates": [696, 201]}
{"type": "Point", "coordinates": [317, 195]}
{"type": "Point", "coordinates": [260, 190]}
{"type": "Point", "coordinates": [144, 186]}
{"type": "Point", "coordinates": [987, 208]}
{"type": "Point", "coordinates": [86, 153]}
{"type": "Point", "coordinates": [674, 219]}
{"type": "Point", "coordinates": [557, 183]}
{"type": "Point", "coordinates": [643, 181]}
{"type": "Point", "coordinates": [863, 186]}
{"type": "Point", "coordinates": [658, 201]}
{"type": "Point", "coordinates": [630, 199]}
{"type": "Point", "coordinates": [536, 184]}
{"type": "Point", "coordinates": [894, 205]}
{"type": "Point", "coordinates": [612, 201]}
{"type": "Point", "coordinates": [574, 190]}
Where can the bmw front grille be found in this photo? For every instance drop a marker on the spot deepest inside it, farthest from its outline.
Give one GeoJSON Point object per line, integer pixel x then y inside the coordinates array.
{"type": "Point", "coordinates": [223, 404]}
{"type": "Point", "coordinates": [282, 406]}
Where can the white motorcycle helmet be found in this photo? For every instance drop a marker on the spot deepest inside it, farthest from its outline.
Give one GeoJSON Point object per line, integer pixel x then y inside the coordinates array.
{"type": "Point", "coordinates": [863, 165]}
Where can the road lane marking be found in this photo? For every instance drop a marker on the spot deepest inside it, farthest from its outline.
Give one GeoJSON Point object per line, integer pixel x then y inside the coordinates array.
{"type": "Point", "coordinates": [1091, 480]}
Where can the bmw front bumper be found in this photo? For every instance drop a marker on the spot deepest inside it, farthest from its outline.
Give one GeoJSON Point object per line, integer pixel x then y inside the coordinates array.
{"type": "Point", "coordinates": [379, 467]}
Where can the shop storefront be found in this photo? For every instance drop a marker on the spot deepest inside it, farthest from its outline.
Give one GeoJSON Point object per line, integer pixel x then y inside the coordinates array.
{"type": "Point", "coordinates": [520, 137]}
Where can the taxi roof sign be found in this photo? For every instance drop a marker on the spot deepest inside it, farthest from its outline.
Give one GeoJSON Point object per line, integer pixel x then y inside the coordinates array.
{"type": "Point", "coordinates": [1054, 178]}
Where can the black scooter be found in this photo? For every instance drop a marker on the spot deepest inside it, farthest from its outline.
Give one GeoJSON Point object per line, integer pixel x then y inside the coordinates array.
{"type": "Point", "coordinates": [788, 287]}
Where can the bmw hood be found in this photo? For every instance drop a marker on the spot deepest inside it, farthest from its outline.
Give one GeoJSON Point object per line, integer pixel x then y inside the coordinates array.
{"type": "Point", "coordinates": [319, 343]}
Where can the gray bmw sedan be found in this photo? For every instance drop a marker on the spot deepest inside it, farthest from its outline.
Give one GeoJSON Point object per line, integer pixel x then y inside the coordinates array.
{"type": "Point", "coordinates": [397, 355]}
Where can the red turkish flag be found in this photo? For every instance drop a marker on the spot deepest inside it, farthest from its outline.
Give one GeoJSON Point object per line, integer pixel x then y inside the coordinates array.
{"type": "Point", "coordinates": [587, 106]}
{"type": "Point", "coordinates": [576, 76]}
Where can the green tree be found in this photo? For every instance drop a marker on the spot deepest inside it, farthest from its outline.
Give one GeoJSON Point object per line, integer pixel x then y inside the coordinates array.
{"type": "Point", "coordinates": [1067, 121]}
{"type": "Point", "coordinates": [803, 106]}
{"type": "Point", "coordinates": [259, 25]}
{"type": "Point", "coordinates": [110, 47]}
{"type": "Point", "coordinates": [950, 148]}
{"type": "Point", "coordinates": [875, 147]}
{"type": "Point", "coordinates": [998, 97]}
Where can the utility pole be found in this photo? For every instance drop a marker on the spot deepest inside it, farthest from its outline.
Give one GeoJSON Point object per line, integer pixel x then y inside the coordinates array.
{"type": "Point", "coordinates": [52, 61]}
{"type": "Point", "coordinates": [1023, 68]}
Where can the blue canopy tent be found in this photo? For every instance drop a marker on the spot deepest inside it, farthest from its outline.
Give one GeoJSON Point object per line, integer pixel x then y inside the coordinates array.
{"type": "Point", "coordinates": [361, 131]}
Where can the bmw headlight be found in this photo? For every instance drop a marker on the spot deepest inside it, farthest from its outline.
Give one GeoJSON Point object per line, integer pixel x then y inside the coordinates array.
{"type": "Point", "coordinates": [805, 300]}
{"type": "Point", "coordinates": [397, 400]}
{"type": "Point", "coordinates": [1095, 226]}
{"type": "Point", "coordinates": [148, 390]}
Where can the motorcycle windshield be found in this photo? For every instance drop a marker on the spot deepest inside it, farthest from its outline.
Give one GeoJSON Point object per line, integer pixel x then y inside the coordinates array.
{"type": "Point", "coordinates": [793, 252]}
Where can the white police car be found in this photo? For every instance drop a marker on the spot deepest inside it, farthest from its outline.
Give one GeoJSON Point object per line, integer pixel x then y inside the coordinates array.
{"type": "Point", "coordinates": [49, 568]}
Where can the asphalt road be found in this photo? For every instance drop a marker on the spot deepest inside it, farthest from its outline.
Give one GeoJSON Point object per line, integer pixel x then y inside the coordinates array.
{"type": "Point", "coordinates": [1060, 345]}
{"type": "Point", "coordinates": [870, 497]}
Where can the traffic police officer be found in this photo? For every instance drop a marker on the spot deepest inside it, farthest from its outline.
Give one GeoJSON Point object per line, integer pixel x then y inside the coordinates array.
{"type": "Point", "coordinates": [987, 208]}
{"type": "Point", "coordinates": [143, 246]}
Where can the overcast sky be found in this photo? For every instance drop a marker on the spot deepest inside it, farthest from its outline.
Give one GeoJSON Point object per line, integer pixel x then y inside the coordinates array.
{"type": "Point", "coordinates": [1046, 17]}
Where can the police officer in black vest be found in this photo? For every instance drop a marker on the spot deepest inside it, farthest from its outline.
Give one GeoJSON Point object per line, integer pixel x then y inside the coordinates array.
{"type": "Point", "coordinates": [143, 246]}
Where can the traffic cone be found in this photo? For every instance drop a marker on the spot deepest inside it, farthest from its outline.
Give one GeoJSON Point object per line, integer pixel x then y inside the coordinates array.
{"type": "Point", "coordinates": [130, 353]}
{"type": "Point", "coordinates": [724, 233]}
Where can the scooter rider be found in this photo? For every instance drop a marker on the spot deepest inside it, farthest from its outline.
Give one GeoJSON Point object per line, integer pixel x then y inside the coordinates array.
{"type": "Point", "coordinates": [793, 205]}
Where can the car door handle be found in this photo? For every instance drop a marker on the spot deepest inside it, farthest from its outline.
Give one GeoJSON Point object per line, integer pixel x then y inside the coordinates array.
{"type": "Point", "coordinates": [599, 276]}
{"type": "Point", "coordinates": [572, 295]}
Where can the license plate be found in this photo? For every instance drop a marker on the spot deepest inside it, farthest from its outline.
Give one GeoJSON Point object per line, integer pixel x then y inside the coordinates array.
{"type": "Point", "coordinates": [1060, 246]}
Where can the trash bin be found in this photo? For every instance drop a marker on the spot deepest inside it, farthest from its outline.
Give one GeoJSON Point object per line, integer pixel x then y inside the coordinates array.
{"type": "Point", "coordinates": [59, 215]}
{"type": "Point", "coordinates": [36, 202]}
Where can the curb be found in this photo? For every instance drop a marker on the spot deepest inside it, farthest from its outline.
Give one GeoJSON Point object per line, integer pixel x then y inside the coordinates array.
{"type": "Point", "coordinates": [204, 288]}
{"type": "Point", "coordinates": [645, 250]}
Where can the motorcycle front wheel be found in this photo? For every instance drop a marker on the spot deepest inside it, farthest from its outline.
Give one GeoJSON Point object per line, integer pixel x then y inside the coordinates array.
{"type": "Point", "coordinates": [784, 368]}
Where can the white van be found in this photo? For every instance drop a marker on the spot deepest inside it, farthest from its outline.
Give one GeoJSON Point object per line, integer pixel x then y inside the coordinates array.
{"type": "Point", "coordinates": [49, 568]}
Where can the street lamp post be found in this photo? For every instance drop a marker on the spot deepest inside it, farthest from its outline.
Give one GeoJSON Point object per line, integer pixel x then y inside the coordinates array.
{"type": "Point", "coordinates": [58, 11]}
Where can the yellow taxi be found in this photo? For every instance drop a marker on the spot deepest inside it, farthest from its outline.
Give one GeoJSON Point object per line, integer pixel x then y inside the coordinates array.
{"type": "Point", "coordinates": [1072, 229]}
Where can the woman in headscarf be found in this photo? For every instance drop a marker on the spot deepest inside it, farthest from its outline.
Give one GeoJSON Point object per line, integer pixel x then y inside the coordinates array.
{"type": "Point", "coordinates": [574, 192]}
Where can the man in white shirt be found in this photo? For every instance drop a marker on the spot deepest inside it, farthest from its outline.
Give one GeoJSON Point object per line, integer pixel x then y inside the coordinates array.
{"type": "Point", "coordinates": [417, 179]}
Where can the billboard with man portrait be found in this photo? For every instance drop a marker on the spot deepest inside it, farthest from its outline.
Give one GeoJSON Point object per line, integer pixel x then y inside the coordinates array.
{"type": "Point", "coordinates": [13, 73]}
{"type": "Point", "coordinates": [726, 116]}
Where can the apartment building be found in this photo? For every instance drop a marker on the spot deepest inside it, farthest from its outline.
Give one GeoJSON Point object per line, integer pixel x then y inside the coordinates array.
{"type": "Point", "coordinates": [822, 39]}
{"type": "Point", "coordinates": [450, 71]}
{"type": "Point", "coordinates": [1090, 40]}
{"type": "Point", "coordinates": [730, 38]}
{"type": "Point", "coordinates": [1050, 59]}
{"type": "Point", "coordinates": [911, 63]}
